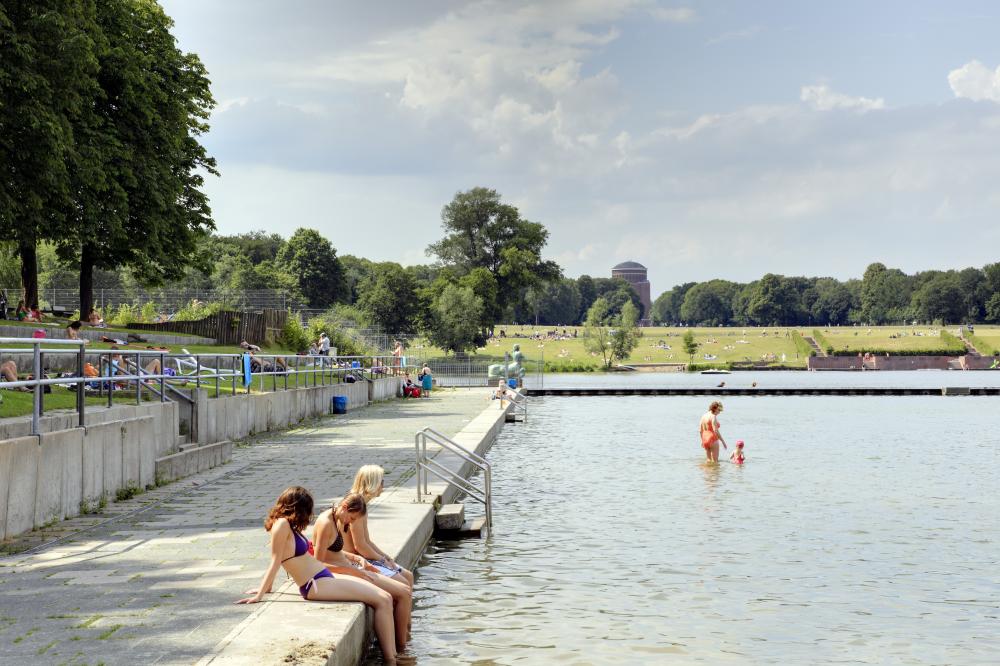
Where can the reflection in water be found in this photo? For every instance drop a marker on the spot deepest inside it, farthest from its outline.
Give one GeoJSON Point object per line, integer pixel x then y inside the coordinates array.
{"type": "Point", "coordinates": [865, 531]}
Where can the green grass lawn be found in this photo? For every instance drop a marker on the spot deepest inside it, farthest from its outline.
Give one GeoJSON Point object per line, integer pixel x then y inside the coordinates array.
{"type": "Point", "coordinates": [990, 335]}
{"type": "Point", "coordinates": [906, 339]}
{"type": "Point", "coordinates": [725, 344]}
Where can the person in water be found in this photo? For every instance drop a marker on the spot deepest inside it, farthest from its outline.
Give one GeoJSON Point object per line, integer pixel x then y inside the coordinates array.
{"type": "Point", "coordinates": [736, 457]}
{"type": "Point", "coordinates": [290, 550]}
{"type": "Point", "coordinates": [369, 483]}
{"type": "Point", "coordinates": [709, 431]}
{"type": "Point", "coordinates": [331, 526]}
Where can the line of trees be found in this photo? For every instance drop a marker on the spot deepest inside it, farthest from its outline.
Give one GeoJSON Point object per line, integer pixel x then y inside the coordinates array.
{"type": "Point", "coordinates": [882, 296]}
{"type": "Point", "coordinates": [100, 119]}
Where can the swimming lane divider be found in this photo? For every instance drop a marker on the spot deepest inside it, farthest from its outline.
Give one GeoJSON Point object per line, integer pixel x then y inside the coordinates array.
{"type": "Point", "coordinates": [717, 391]}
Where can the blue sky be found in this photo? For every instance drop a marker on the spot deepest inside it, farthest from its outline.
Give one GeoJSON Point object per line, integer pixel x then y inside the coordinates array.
{"type": "Point", "coordinates": [723, 139]}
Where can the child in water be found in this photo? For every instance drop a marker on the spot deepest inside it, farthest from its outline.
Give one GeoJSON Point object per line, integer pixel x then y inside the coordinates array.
{"type": "Point", "coordinates": [737, 457]}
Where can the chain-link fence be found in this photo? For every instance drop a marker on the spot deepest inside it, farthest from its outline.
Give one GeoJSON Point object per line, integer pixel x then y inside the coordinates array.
{"type": "Point", "coordinates": [166, 300]}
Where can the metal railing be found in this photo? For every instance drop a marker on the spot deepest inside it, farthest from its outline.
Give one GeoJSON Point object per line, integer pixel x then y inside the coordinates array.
{"type": "Point", "coordinates": [161, 374]}
{"type": "Point", "coordinates": [426, 466]}
{"type": "Point", "coordinates": [520, 403]}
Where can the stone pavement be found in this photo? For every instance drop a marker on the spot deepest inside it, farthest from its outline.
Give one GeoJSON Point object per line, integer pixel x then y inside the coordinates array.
{"type": "Point", "coordinates": [155, 585]}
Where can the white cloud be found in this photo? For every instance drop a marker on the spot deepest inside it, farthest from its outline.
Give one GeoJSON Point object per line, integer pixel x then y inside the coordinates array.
{"type": "Point", "coordinates": [673, 14]}
{"type": "Point", "coordinates": [732, 35]}
{"type": "Point", "coordinates": [824, 99]}
{"type": "Point", "coordinates": [975, 81]}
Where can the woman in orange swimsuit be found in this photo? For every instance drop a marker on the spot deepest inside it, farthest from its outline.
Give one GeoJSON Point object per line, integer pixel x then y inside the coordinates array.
{"type": "Point", "coordinates": [709, 431]}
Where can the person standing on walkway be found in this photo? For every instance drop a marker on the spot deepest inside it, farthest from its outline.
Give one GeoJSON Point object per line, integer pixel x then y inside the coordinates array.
{"type": "Point", "coordinates": [426, 380]}
{"type": "Point", "coordinates": [290, 550]}
{"type": "Point", "coordinates": [324, 344]}
{"type": "Point", "coordinates": [708, 429]}
{"type": "Point", "coordinates": [397, 354]}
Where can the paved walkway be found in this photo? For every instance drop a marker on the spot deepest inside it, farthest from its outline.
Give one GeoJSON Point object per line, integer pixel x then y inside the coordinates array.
{"type": "Point", "coordinates": [156, 584]}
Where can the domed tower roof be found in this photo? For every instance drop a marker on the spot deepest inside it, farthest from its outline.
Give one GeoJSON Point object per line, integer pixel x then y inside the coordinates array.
{"type": "Point", "coordinates": [628, 264]}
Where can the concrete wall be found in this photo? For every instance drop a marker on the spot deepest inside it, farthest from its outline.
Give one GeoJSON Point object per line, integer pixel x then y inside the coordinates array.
{"type": "Point", "coordinates": [899, 362]}
{"type": "Point", "coordinates": [236, 417]}
{"type": "Point", "coordinates": [46, 478]}
{"type": "Point", "coordinates": [164, 414]}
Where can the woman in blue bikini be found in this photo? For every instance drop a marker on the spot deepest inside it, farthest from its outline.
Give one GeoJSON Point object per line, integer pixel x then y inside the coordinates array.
{"type": "Point", "coordinates": [290, 550]}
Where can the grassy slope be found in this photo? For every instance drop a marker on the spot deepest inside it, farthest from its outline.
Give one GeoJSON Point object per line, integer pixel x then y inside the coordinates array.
{"type": "Point", "coordinates": [907, 338]}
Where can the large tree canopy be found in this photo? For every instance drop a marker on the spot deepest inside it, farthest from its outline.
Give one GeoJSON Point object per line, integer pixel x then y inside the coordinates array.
{"type": "Point", "coordinates": [47, 80]}
{"type": "Point", "coordinates": [313, 261]}
{"type": "Point", "coordinates": [483, 232]}
{"type": "Point", "coordinates": [138, 164]}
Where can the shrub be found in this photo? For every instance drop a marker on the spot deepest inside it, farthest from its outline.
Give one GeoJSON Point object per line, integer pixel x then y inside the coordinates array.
{"type": "Point", "coordinates": [124, 315]}
{"type": "Point", "coordinates": [149, 313]}
{"type": "Point", "coordinates": [196, 310]}
{"type": "Point", "coordinates": [293, 335]}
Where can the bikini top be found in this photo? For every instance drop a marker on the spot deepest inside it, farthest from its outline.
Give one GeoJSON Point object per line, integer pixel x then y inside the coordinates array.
{"type": "Point", "coordinates": [338, 543]}
{"type": "Point", "coordinates": [301, 546]}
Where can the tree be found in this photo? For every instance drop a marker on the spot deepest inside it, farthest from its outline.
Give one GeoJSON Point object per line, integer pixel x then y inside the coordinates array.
{"type": "Point", "coordinates": [588, 294]}
{"type": "Point", "coordinates": [625, 336]}
{"type": "Point", "coordinates": [313, 260]}
{"type": "Point", "coordinates": [483, 232]}
{"type": "Point", "coordinates": [47, 79]}
{"type": "Point", "coordinates": [455, 317]}
{"type": "Point", "coordinates": [597, 336]}
{"type": "Point", "coordinates": [993, 309]}
{"type": "Point", "coordinates": [357, 270]}
{"type": "Point", "coordinates": [667, 306]}
{"type": "Point", "coordinates": [772, 301]}
{"type": "Point", "coordinates": [940, 299]}
{"type": "Point", "coordinates": [709, 303]}
{"type": "Point", "coordinates": [389, 299]}
{"type": "Point", "coordinates": [885, 294]}
{"type": "Point", "coordinates": [555, 303]}
{"type": "Point", "coordinates": [137, 163]}
{"type": "Point", "coordinates": [690, 346]}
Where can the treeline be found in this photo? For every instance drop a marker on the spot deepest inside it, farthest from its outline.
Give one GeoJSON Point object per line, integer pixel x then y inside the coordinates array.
{"type": "Point", "coordinates": [882, 296]}
{"type": "Point", "coordinates": [100, 119]}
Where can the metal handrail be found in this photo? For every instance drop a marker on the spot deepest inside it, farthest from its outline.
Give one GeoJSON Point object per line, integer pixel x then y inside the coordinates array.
{"type": "Point", "coordinates": [520, 403]}
{"type": "Point", "coordinates": [427, 465]}
{"type": "Point", "coordinates": [324, 370]}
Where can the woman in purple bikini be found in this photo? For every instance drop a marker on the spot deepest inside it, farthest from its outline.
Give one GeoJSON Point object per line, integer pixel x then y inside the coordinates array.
{"type": "Point", "coordinates": [290, 550]}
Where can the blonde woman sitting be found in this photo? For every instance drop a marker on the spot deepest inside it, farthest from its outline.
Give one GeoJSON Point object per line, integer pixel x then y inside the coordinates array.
{"type": "Point", "coordinates": [368, 482]}
{"type": "Point", "coordinates": [329, 534]}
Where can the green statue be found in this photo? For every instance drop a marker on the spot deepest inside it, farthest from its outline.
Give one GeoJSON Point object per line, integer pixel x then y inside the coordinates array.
{"type": "Point", "coordinates": [514, 369]}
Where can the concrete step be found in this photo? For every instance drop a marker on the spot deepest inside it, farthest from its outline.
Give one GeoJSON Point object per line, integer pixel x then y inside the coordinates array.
{"type": "Point", "coordinates": [450, 517]}
{"type": "Point", "coordinates": [473, 527]}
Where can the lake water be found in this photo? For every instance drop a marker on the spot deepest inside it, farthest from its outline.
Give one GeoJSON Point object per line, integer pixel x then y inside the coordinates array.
{"type": "Point", "coordinates": [861, 530]}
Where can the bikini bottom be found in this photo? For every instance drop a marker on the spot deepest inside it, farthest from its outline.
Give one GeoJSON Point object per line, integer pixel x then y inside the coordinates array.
{"type": "Point", "coordinates": [322, 573]}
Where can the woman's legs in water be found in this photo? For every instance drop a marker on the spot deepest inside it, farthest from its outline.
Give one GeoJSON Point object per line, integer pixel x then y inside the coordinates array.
{"type": "Point", "coordinates": [402, 606]}
{"type": "Point", "coordinates": [353, 589]}
{"type": "Point", "coordinates": [715, 451]}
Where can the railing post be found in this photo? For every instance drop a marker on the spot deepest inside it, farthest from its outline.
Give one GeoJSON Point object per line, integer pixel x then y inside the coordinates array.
{"type": "Point", "coordinates": [41, 403]}
{"type": "Point", "coordinates": [82, 386]}
{"type": "Point", "coordinates": [216, 375]}
{"type": "Point", "coordinates": [197, 371]}
{"type": "Point", "coordinates": [163, 381]}
{"type": "Point", "coordinates": [416, 444]}
{"type": "Point", "coordinates": [37, 407]}
{"type": "Point", "coordinates": [138, 374]}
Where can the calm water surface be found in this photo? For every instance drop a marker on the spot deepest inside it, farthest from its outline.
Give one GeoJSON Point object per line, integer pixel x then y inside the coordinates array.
{"type": "Point", "coordinates": [861, 530]}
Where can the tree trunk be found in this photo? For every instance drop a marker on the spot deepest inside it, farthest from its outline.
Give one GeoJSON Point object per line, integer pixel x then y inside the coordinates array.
{"type": "Point", "coordinates": [29, 271]}
{"type": "Point", "coordinates": [86, 280]}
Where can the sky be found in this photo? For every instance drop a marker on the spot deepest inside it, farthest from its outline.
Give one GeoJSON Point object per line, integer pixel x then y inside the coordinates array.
{"type": "Point", "coordinates": [701, 139]}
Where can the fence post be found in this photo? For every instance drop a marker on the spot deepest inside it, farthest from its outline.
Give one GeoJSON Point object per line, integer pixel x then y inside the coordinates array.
{"type": "Point", "coordinates": [163, 381]}
{"type": "Point", "coordinates": [37, 408]}
{"type": "Point", "coordinates": [138, 374]}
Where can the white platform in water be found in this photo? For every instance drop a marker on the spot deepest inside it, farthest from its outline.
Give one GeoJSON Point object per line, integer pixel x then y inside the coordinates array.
{"type": "Point", "coordinates": [715, 372]}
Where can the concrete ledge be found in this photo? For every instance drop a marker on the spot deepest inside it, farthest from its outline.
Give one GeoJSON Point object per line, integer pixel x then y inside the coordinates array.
{"type": "Point", "coordinates": [281, 631]}
{"type": "Point", "coordinates": [198, 459]}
